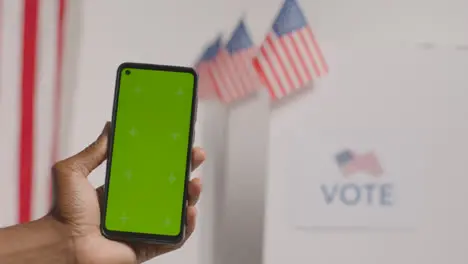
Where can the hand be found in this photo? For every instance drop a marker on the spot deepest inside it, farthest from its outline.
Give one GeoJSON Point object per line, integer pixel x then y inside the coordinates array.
{"type": "Point", "coordinates": [78, 206]}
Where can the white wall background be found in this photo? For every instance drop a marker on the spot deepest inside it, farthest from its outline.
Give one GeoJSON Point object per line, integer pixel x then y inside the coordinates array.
{"type": "Point", "coordinates": [173, 32]}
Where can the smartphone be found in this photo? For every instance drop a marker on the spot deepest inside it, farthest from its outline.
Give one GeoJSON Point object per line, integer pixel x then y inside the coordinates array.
{"type": "Point", "coordinates": [149, 153]}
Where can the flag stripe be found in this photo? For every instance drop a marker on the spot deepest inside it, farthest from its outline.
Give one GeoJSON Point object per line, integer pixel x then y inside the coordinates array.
{"type": "Point", "coordinates": [287, 64]}
{"type": "Point", "coordinates": [289, 56]}
{"type": "Point", "coordinates": [297, 60]}
{"type": "Point", "coordinates": [228, 85]}
{"type": "Point", "coordinates": [264, 68]}
{"type": "Point", "coordinates": [44, 112]}
{"type": "Point", "coordinates": [297, 52]}
{"type": "Point", "coordinates": [209, 85]}
{"type": "Point", "coordinates": [214, 82]}
{"type": "Point", "coordinates": [245, 60]}
{"type": "Point", "coordinates": [363, 163]}
{"type": "Point", "coordinates": [220, 79]}
{"type": "Point", "coordinates": [58, 85]}
{"type": "Point", "coordinates": [229, 70]}
{"type": "Point", "coordinates": [302, 51]}
{"type": "Point", "coordinates": [26, 150]}
{"type": "Point", "coordinates": [230, 74]}
{"type": "Point", "coordinates": [29, 52]}
{"type": "Point", "coordinates": [238, 63]}
{"type": "Point", "coordinates": [230, 66]}
{"type": "Point", "coordinates": [317, 49]}
{"type": "Point", "coordinates": [281, 62]}
{"type": "Point", "coordinates": [251, 82]}
{"type": "Point", "coordinates": [262, 72]}
{"type": "Point", "coordinates": [310, 56]}
{"type": "Point", "coordinates": [251, 70]}
{"type": "Point", "coordinates": [238, 48]}
{"type": "Point", "coordinates": [285, 46]}
{"type": "Point", "coordinates": [206, 82]}
{"type": "Point", "coordinates": [276, 68]}
{"type": "Point", "coordinates": [270, 68]}
{"type": "Point", "coordinates": [234, 74]}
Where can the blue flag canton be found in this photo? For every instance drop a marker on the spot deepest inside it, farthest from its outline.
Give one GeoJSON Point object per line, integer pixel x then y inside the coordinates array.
{"type": "Point", "coordinates": [344, 157]}
{"type": "Point", "coordinates": [211, 51]}
{"type": "Point", "coordinates": [240, 39]}
{"type": "Point", "coordinates": [289, 19]}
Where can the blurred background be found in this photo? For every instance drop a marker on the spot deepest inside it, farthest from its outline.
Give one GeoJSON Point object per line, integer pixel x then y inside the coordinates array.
{"type": "Point", "coordinates": [363, 162]}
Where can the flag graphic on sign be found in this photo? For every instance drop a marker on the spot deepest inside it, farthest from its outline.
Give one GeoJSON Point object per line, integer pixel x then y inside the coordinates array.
{"type": "Point", "coordinates": [290, 56]}
{"type": "Point", "coordinates": [33, 51]}
{"type": "Point", "coordinates": [351, 163]}
{"type": "Point", "coordinates": [240, 51]}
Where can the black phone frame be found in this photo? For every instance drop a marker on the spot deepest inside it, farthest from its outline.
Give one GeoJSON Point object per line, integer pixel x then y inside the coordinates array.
{"type": "Point", "coordinates": [143, 237]}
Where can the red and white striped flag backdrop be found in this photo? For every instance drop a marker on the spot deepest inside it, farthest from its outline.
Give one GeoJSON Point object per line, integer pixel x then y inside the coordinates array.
{"type": "Point", "coordinates": [31, 70]}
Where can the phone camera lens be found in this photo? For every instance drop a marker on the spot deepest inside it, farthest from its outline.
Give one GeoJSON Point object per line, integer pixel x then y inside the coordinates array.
{"type": "Point", "coordinates": [127, 72]}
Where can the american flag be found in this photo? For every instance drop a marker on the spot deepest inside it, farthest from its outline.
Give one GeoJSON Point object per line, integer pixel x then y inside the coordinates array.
{"type": "Point", "coordinates": [290, 56]}
{"type": "Point", "coordinates": [37, 47]}
{"type": "Point", "coordinates": [240, 51]}
{"type": "Point", "coordinates": [351, 163]}
{"type": "Point", "coordinates": [208, 87]}
{"type": "Point", "coordinates": [227, 71]}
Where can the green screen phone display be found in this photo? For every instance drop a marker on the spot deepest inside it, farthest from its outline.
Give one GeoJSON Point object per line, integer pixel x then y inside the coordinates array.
{"type": "Point", "coordinates": [148, 163]}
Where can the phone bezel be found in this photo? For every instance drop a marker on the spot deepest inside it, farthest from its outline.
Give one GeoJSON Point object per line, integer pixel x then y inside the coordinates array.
{"type": "Point", "coordinates": [143, 237]}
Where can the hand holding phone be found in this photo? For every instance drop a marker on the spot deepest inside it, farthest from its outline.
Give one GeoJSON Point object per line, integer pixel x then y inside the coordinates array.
{"type": "Point", "coordinates": [150, 143]}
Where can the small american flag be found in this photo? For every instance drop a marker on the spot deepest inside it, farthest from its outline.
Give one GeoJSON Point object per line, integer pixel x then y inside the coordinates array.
{"type": "Point", "coordinates": [208, 87]}
{"type": "Point", "coordinates": [290, 57]}
{"type": "Point", "coordinates": [351, 163]}
{"type": "Point", "coordinates": [240, 51]}
{"type": "Point", "coordinates": [215, 73]}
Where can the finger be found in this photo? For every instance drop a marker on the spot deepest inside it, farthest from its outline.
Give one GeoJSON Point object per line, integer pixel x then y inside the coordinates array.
{"type": "Point", "coordinates": [91, 157]}
{"type": "Point", "coordinates": [194, 190]}
{"type": "Point", "coordinates": [191, 221]}
{"type": "Point", "coordinates": [198, 157]}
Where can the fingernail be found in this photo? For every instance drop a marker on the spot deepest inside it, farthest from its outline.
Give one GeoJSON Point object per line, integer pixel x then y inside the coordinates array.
{"type": "Point", "coordinates": [202, 151]}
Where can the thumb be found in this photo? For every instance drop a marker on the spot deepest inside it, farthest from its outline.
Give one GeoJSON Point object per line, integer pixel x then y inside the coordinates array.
{"type": "Point", "coordinates": [91, 157]}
